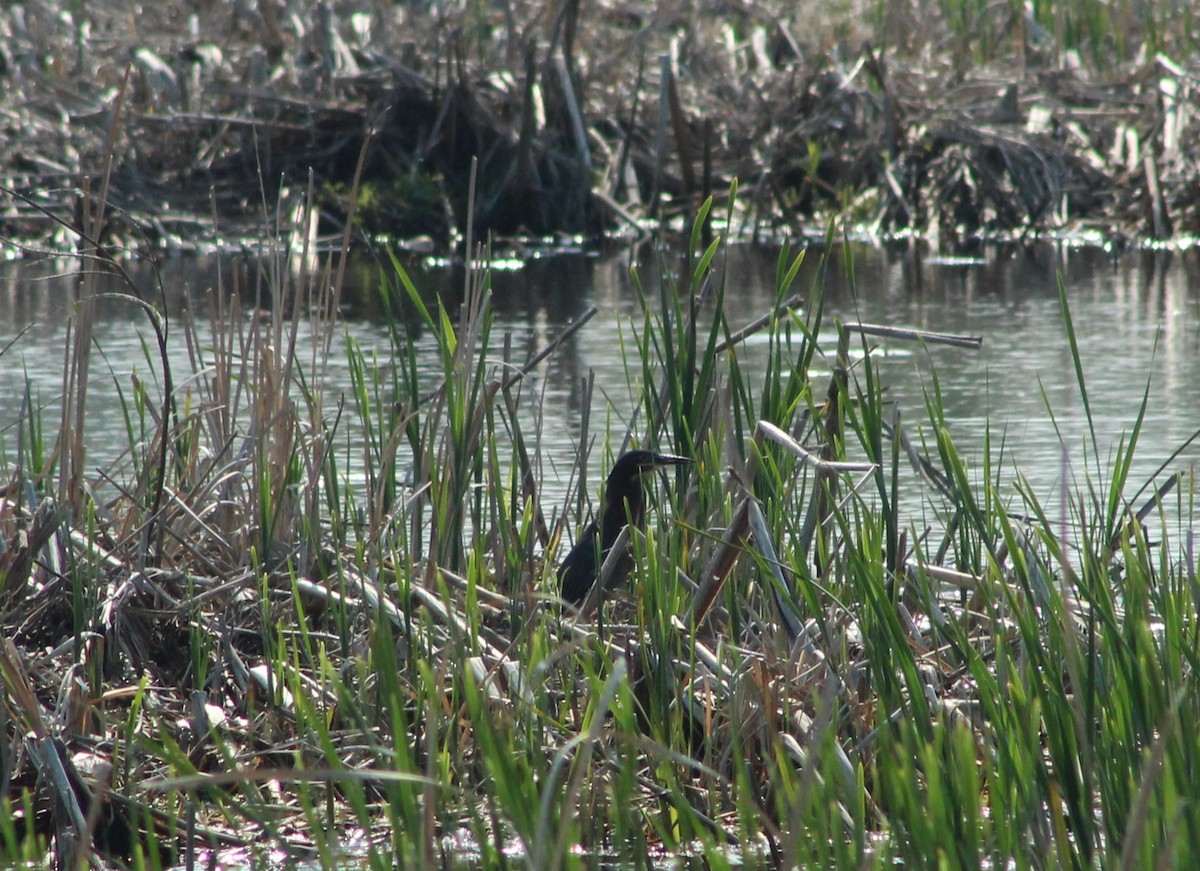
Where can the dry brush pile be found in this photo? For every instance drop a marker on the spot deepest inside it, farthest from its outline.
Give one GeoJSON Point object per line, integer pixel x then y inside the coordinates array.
{"type": "Point", "coordinates": [213, 120]}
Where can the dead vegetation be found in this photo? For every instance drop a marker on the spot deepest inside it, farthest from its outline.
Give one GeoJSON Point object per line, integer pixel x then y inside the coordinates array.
{"type": "Point", "coordinates": [594, 119]}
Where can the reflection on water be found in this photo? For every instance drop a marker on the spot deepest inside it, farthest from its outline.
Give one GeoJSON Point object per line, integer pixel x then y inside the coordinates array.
{"type": "Point", "coordinates": [1137, 322]}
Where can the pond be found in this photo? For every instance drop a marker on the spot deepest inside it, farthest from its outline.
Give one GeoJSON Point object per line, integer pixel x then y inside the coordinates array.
{"type": "Point", "coordinates": [1136, 318]}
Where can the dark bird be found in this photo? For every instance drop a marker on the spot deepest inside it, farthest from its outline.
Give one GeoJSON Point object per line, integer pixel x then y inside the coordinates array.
{"type": "Point", "coordinates": [624, 503]}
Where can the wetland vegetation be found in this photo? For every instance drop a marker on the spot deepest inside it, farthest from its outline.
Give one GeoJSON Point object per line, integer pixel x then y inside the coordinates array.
{"type": "Point", "coordinates": [217, 649]}
{"type": "Point", "coordinates": [222, 646]}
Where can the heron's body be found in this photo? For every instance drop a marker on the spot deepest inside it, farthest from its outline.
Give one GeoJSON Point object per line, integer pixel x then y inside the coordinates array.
{"type": "Point", "coordinates": [624, 503]}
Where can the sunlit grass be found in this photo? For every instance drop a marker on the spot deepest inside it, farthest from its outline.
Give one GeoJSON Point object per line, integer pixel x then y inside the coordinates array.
{"type": "Point", "coordinates": [1100, 33]}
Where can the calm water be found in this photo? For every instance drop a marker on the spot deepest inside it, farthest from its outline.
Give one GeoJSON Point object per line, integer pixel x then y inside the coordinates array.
{"type": "Point", "coordinates": [1137, 321]}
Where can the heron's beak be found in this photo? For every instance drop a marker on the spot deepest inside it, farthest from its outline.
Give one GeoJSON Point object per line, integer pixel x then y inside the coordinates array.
{"type": "Point", "coordinates": [663, 460]}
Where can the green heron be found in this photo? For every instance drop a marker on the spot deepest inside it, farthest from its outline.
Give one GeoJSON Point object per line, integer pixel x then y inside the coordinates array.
{"type": "Point", "coordinates": [624, 503]}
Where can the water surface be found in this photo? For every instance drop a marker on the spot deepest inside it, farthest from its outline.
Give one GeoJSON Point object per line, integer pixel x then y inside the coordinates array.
{"type": "Point", "coordinates": [1136, 319]}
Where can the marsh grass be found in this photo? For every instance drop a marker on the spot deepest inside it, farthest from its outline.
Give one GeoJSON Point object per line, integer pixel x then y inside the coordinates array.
{"type": "Point", "coordinates": [381, 674]}
{"type": "Point", "coordinates": [1102, 34]}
